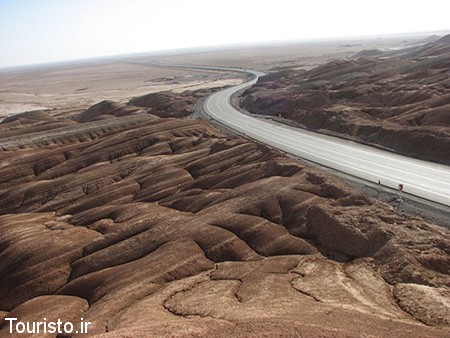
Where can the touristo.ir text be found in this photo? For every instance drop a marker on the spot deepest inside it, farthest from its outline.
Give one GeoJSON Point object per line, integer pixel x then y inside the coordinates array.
{"type": "Point", "coordinates": [46, 326]}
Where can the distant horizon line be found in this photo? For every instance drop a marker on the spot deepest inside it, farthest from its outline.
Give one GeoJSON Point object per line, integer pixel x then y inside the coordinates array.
{"type": "Point", "coordinates": [205, 48]}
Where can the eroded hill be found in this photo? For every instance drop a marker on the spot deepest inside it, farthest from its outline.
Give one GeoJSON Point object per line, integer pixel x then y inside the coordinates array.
{"type": "Point", "coordinates": [150, 226]}
{"type": "Point", "coordinates": [399, 100]}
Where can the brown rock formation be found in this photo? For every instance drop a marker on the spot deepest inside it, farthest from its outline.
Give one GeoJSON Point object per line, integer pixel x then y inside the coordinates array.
{"type": "Point", "coordinates": [150, 226]}
{"type": "Point", "coordinates": [162, 104]}
{"type": "Point", "coordinates": [398, 100]}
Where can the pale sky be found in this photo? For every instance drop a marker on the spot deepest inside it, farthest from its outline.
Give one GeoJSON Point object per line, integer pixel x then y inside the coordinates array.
{"type": "Point", "coordinates": [37, 31]}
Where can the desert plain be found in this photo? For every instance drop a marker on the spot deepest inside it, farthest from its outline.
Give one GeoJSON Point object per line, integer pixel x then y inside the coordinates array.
{"type": "Point", "coordinates": [122, 204]}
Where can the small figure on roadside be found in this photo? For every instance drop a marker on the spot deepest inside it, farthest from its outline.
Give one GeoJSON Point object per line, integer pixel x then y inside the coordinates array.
{"type": "Point", "coordinates": [399, 199]}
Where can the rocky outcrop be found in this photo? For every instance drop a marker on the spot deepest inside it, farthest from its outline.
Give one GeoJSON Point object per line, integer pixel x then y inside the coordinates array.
{"type": "Point", "coordinates": [167, 104]}
{"type": "Point", "coordinates": [345, 233]}
{"type": "Point", "coordinates": [106, 109]}
{"type": "Point", "coordinates": [429, 305]}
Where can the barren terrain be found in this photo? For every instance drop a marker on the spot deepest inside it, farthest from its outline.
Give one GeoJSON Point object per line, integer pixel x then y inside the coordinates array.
{"type": "Point", "coordinates": [399, 100]}
{"type": "Point", "coordinates": [123, 209]}
{"type": "Point", "coordinates": [159, 226]}
{"type": "Point", "coordinates": [71, 87]}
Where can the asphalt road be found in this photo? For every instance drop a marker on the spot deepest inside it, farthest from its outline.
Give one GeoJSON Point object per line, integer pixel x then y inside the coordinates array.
{"type": "Point", "coordinates": [419, 178]}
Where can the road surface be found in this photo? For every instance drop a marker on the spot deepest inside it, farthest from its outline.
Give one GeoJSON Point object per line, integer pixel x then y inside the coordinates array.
{"type": "Point", "coordinates": [419, 178]}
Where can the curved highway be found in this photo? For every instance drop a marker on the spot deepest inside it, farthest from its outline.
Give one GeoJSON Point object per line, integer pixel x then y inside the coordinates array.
{"type": "Point", "coordinates": [420, 178]}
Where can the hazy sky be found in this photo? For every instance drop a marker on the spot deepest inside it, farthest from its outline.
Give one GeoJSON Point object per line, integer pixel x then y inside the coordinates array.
{"type": "Point", "coordinates": [35, 31]}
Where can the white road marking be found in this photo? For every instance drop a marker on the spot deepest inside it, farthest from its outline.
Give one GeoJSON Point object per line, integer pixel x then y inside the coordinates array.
{"type": "Point", "coordinates": [420, 178]}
